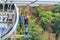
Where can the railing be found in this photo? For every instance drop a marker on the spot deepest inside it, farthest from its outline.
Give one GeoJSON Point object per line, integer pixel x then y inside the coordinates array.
{"type": "Point", "coordinates": [12, 29]}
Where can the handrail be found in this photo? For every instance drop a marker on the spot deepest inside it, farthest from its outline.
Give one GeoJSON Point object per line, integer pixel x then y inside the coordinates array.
{"type": "Point", "coordinates": [13, 28]}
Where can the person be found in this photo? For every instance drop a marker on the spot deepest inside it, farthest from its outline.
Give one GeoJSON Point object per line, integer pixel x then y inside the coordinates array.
{"type": "Point", "coordinates": [2, 30]}
{"type": "Point", "coordinates": [21, 22]}
{"type": "Point", "coordinates": [26, 23]}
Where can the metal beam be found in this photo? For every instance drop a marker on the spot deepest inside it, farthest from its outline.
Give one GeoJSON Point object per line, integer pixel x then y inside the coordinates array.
{"type": "Point", "coordinates": [15, 2]}
{"type": "Point", "coordinates": [34, 5]}
{"type": "Point", "coordinates": [35, 2]}
{"type": "Point", "coordinates": [32, 2]}
{"type": "Point", "coordinates": [47, 2]}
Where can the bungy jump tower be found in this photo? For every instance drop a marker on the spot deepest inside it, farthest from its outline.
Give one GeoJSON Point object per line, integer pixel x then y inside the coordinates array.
{"type": "Point", "coordinates": [8, 19]}
{"type": "Point", "coordinates": [9, 13]}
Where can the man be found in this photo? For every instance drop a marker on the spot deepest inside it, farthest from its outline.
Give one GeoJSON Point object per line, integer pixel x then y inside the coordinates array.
{"type": "Point", "coordinates": [21, 22]}
{"type": "Point", "coordinates": [26, 23]}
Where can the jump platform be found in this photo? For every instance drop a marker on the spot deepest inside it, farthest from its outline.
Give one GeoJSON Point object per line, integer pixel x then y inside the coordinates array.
{"type": "Point", "coordinates": [17, 36]}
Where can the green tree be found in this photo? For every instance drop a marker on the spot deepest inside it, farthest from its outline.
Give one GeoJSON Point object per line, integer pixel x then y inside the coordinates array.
{"type": "Point", "coordinates": [36, 31]}
{"type": "Point", "coordinates": [57, 25]}
{"type": "Point", "coordinates": [56, 9]}
{"type": "Point", "coordinates": [45, 18]}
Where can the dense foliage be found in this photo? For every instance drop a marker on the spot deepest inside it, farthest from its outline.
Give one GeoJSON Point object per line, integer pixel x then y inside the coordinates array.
{"type": "Point", "coordinates": [36, 31]}
{"type": "Point", "coordinates": [56, 26]}
{"type": "Point", "coordinates": [45, 18]}
{"type": "Point", "coordinates": [56, 9]}
{"type": "Point", "coordinates": [50, 19]}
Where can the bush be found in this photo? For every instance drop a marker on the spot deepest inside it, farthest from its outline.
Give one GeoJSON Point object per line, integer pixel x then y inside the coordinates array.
{"type": "Point", "coordinates": [56, 9]}
{"type": "Point", "coordinates": [36, 31]}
